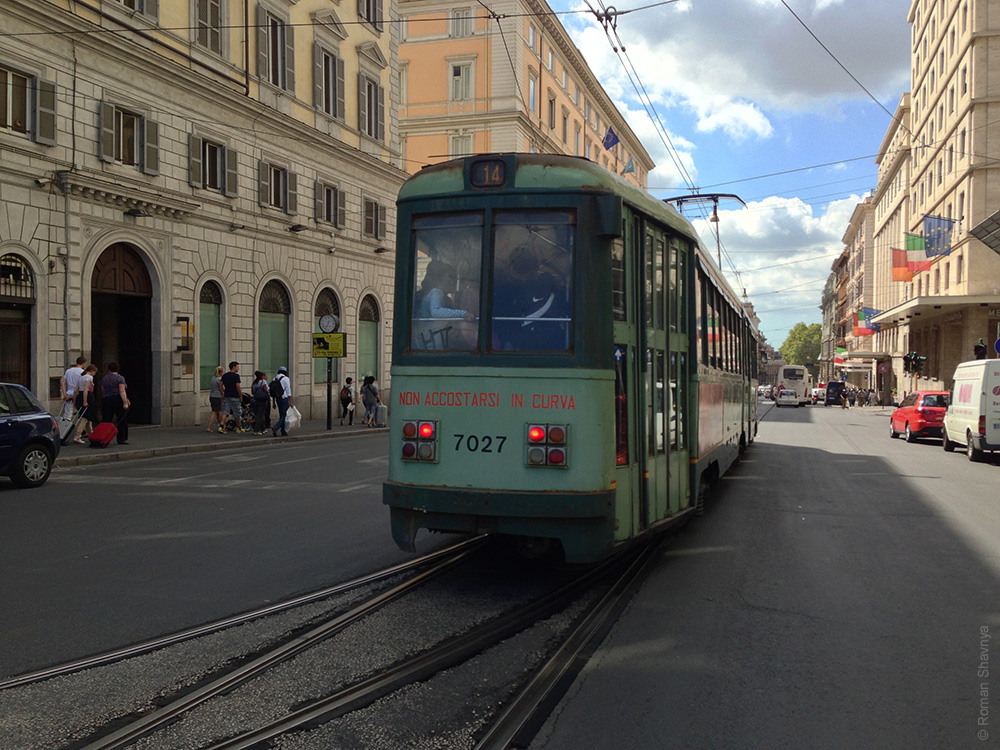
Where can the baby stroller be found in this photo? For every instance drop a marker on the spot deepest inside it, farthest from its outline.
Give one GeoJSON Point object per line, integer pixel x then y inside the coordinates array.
{"type": "Point", "coordinates": [246, 415]}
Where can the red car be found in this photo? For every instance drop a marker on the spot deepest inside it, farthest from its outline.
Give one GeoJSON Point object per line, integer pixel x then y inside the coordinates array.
{"type": "Point", "coordinates": [921, 414]}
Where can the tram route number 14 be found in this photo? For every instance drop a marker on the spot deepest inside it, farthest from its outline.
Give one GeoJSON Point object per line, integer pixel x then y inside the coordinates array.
{"type": "Point", "coordinates": [477, 444]}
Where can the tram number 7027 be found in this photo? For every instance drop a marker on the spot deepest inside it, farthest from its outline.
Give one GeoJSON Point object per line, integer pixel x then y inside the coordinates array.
{"type": "Point", "coordinates": [477, 444]}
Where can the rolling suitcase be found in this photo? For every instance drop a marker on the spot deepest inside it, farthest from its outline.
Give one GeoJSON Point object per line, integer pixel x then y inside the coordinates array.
{"type": "Point", "coordinates": [103, 434]}
{"type": "Point", "coordinates": [67, 427]}
{"type": "Point", "coordinates": [381, 415]}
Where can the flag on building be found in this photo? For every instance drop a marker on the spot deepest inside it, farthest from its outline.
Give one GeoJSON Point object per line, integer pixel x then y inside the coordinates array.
{"type": "Point", "coordinates": [629, 168]}
{"type": "Point", "coordinates": [870, 314]}
{"type": "Point", "coordinates": [838, 356]}
{"type": "Point", "coordinates": [901, 270]}
{"type": "Point", "coordinates": [863, 325]}
{"type": "Point", "coordinates": [610, 139]}
{"type": "Point", "coordinates": [937, 235]}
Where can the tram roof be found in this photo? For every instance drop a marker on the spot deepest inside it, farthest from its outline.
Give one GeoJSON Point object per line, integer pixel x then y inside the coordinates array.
{"type": "Point", "coordinates": [545, 172]}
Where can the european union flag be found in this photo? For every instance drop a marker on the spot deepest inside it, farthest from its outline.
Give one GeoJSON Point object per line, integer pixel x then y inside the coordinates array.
{"type": "Point", "coordinates": [937, 235]}
{"type": "Point", "coordinates": [610, 140]}
{"type": "Point", "coordinates": [630, 167]}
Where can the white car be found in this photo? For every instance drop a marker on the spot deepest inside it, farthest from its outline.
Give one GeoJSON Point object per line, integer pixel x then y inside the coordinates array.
{"type": "Point", "coordinates": [788, 397]}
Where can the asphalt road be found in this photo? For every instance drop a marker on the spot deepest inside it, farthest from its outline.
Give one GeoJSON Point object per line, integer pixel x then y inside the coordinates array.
{"type": "Point", "coordinates": [109, 555]}
{"type": "Point", "coordinates": [838, 595]}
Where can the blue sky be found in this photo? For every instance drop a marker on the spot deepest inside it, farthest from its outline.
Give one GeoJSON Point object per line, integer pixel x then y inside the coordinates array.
{"type": "Point", "coordinates": [744, 90]}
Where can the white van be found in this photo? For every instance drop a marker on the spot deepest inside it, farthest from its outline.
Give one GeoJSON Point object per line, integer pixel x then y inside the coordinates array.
{"type": "Point", "coordinates": [973, 418]}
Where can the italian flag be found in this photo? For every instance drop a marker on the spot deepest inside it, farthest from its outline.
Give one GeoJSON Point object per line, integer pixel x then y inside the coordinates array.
{"type": "Point", "coordinates": [838, 357]}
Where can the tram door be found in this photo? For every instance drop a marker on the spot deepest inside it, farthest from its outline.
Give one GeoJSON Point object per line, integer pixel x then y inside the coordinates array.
{"type": "Point", "coordinates": [676, 371]}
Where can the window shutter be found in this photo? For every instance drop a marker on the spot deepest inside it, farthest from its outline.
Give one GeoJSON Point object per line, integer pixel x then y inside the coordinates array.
{"type": "Point", "coordinates": [341, 220]}
{"type": "Point", "coordinates": [319, 79]}
{"type": "Point", "coordinates": [45, 113]}
{"type": "Point", "coordinates": [381, 222]}
{"type": "Point", "coordinates": [362, 104]}
{"type": "Point", "coordinates": [232, 172]}
{"type": "Point", "coordinates": [289, 31]}
{"type": "Point", "coordinates": [378, 14]}
{"type": "Point", "coordinates": [264, 182]}
{"type": "Point", "coordinates": [261, 43]}
{"type": "Point", "coordinates": [150, 146]}
{"type": "Point", "coordinates": [196, 172]}
{"type": "Point", "coordinates": [380, 107]}
{"type": "Point", "coordinates": [341, 106]}
{"type": "Point", "coordinates": [319, 202]}
{"type": "Point", "coordinates": [107, 143]}
{"type": "Point", "coordinates": [151, 9]}
{"type": "Point", "coordinates": [363, 10]}
{"type": "Point", "coordinates": [291, 193]}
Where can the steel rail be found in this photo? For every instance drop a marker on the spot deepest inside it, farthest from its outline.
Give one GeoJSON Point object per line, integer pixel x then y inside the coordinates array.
{"type": "Point", "coordinates": [169, 713]}
{"type": "Point", "coordinates": [109, 657]}
{"type": "Point", "coordinates": [516, 716]}
{"type": "Point", "coordinates": [422, 666]}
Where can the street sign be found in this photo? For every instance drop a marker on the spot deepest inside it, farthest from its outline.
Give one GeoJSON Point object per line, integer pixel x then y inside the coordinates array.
{"type": "Point", "coordinates": [996, 345]}
{"type": "Point", "coordinates": [329, 345]}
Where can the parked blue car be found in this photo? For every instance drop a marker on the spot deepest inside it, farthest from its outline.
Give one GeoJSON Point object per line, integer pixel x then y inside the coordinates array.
{"type": "Point", "coordinates": [29, 437]}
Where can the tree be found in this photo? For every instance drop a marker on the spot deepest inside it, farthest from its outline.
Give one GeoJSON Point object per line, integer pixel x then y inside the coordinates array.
{"type": "Point", "coordinates": [803, 344]}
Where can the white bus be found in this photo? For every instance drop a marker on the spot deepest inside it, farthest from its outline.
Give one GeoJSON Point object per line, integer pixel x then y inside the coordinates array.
{"type": "Point", "coordinates": [792, 386]}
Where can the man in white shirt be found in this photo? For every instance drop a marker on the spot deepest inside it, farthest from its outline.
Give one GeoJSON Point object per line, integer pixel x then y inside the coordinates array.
{"type": "Point", "coordinates": [68, 384]}
{"type": "Point", "coordinates": [282, 402]}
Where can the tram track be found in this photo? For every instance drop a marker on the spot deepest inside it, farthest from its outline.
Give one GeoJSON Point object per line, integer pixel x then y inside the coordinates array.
{"type": "Point", "coordinates": [584, 604]}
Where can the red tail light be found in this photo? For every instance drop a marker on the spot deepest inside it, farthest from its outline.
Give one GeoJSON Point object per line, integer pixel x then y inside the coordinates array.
{"type": "Point", "coordinates": [546, 445]}
{"type": "Point", "coordinates": [419, 440]}
{"type": "Point", "coordinates": [982, 424]}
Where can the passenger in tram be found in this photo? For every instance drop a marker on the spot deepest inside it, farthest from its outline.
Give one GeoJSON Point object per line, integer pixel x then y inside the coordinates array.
{"type": "Point", "coordinates": [530, 303]}
{"type": "Point", "coordinates": [433, 299]}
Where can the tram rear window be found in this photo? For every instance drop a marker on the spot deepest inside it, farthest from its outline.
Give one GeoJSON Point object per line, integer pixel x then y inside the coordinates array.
{"type": "Point", "coordinates": [532, 281]}
{"type": "Point", "coordinates": [446, 283]}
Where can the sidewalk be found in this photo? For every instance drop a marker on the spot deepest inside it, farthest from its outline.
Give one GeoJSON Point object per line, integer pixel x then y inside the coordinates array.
{"type": "Point", "coordinates": [147, 441]}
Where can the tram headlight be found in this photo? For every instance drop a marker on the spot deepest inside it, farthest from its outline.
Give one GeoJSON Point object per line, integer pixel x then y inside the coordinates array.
{"type": "Point", "coordinates": [546, 445]}
{"type": "Point", "coordinates": [419, 440]}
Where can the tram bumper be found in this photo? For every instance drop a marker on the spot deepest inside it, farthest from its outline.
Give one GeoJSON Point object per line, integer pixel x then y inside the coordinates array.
{"type": "Point", "coordinates": [583, 522]}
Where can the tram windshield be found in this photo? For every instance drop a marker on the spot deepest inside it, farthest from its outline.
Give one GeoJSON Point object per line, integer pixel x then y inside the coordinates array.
{"type": "Point", "coordinates": [532, 281]}
{"type": "Point", "coordinates": [449, 251]}
{"type": "Point", "coordinates": [531, 276]}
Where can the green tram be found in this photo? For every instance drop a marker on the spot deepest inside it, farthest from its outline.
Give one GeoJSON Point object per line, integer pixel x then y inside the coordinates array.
{"type": "Point", "coordinates": [568, 366]}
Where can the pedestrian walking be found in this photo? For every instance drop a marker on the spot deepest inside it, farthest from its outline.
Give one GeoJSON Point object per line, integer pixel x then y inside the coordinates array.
{"type": "Point", "coordinates": [67, 386]}
{"type": "Point", "coordinates": [347, 405]}
{"type": "Point", "coordinates": [232, 396]}
{"type": "Point", "coordinates": [282, 394]}
{"type": "Point", "coordinates": [86, 405]}
{"type": "Point", "coordinates": [371, 399]}
{"type": "Point", "coordinates": [114, 402]}
{"type": "Point", "coordinates": [215, 398]}
{"type": "Point", "coordinates": [261, 395]}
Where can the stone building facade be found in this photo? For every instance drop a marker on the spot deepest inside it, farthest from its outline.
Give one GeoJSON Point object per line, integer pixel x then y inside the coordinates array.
{"type": "Point", "coordinates": [187, 183]}
{"type": "Point", "coordinates": [513, 82]}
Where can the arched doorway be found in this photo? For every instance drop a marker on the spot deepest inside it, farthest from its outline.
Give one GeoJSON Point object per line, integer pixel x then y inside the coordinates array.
{"type": "Point", "coordinates": [369, 331]}
{"type": "Point", "coordinates": [274, 312]}
{"type": "Point", "coordinates": [17, 295]}
{"type": "Point", "coordinates": [120, 305]}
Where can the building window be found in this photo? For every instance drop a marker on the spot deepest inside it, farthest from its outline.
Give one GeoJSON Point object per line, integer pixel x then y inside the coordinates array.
{"type": "Point", "coordinates": [329, 85]}
{"type": "Point", "coordinates": [208, 25]}
{"type": "Point", "coordinates": [129, 138]}
{"type": "Point", "coordinates": [959, 269]}
{"type": "Point", "coordinates": [371, 107]}
{"type": "Point", "coordinates": [274, 312]}
{"type": "Point", "coordinates": [462, 22]}
{"type": "Point", "coordinates": [277, 187]}
{"type": "Point", "coordinates": [210, 339]}
{"type": "Point", "coordinates": [14, 101]}
{"type": "Point", "coordinates": [964, 80]}
{"type": "Point", "coordinates": [370, 11]}
{"type": "Point", "coordinates": [461, 82]}
{"type": "Point", "coordinates": [331, 204]}
{"type": "Point", "coordinates": [576, 95]}
{"type": "Point", "coordinates": [532, 93]}
{"type": "Point", "coordinates": [565, 126]}
{"type": "Point", "coordinates": [460, 145]}
{"type": "Point", "coordinates": [552, 112]}
{"type": "Point", "coordinates": [212, 166]}
{"type": "Point", "coordinates": [146, 7]}
{"type": "Point", "coordinates": [275, 50]}
{"type": "Point", "coordinates": [531, 37]}
{"type": "Point", "coordinates": [551, 58]}
{"type": "Point", "coordinates": [375, 225]}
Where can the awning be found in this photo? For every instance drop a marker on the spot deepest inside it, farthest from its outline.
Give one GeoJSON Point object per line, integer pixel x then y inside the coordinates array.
{"type": "Point", "coordinates": [933, 306]}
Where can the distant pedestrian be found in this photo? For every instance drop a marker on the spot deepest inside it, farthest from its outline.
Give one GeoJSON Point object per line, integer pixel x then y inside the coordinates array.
{"type": "Point", "coordinates": [282, 399]}
{"type": "Point", "coordinates": [261, 402]}
{"type": "Point", "coordinates": [67, 386]}
{"type": "Point", "coordinates": [86, 405]}
{"type": "Point", "coordinates": [371, 399]}
{"type": "Point", "coordinates": [843, 399]}
{"type": "Point", "coordinates": [347, 399]}
{"type": "Point", "coordinates": [215, 398]}
{"type": "Point", "coordinates": [232, 396]}
{"type": "Point", "coordinates": [114, 402]}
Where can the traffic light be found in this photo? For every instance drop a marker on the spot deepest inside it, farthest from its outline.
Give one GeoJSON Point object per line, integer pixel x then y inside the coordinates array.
{"type": "Point", "coordinates": [908, 362]}
{"type": "Point", "coordinates": [917, 362]}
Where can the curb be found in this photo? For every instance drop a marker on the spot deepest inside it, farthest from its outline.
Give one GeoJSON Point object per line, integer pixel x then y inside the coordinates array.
{"type": "Point", "coordinates": [101, 456]}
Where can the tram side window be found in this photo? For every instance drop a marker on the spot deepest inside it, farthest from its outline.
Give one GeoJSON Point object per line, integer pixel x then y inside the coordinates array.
{"type": "Point", "coordinates": [533, 281]}
{"type": "Point", "coordinates": [618, 279]}
{"type": "Point", "coordinates": [446, 283]}
{"type": "Point", "coordinates": [672, 305]}
{"type": "Point", "coordinates": [621, 407]}
{"type": "Point", "coordinates": [663, 400]}
{"type": "Point", "coordinates": [678, 251]}
{"type": "Point", "coordinates": [660, 270]}
{"type": "Point", "coordinates": [650, 297]}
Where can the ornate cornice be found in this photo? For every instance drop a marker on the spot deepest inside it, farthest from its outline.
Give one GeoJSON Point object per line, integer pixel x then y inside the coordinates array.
{"type": "Point", "coordinates": [100, 190]}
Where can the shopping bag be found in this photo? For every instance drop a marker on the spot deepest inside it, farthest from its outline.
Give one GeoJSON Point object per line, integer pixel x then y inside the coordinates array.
{"type": "Point", "coordinates": [293, 418]}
